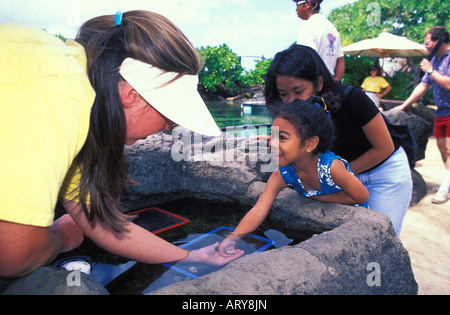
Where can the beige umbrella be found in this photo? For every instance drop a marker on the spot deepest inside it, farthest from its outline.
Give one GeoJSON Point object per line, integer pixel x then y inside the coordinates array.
{"type": "Point", "coordinates": [386, 45]}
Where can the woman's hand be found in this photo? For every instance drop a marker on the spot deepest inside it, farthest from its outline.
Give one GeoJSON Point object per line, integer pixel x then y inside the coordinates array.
{"type": "Point", "coordinates": [209, 255]}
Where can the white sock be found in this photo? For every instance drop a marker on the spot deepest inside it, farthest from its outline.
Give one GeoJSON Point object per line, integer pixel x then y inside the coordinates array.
{"type": "Point", "coordinates": [445, 186]}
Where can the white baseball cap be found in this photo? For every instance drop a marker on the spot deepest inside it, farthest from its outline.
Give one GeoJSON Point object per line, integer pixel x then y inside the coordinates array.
{"type": "Point", "coordinates": [176, 99]}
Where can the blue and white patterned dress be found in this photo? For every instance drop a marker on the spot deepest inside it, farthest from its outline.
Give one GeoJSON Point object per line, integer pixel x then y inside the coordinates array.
{"type": "Point", "coordinates": [327, 185]}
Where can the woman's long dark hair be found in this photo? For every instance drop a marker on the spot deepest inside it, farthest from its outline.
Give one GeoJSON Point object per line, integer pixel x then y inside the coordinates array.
{"type": "Point", "coordinates": [301, 62]}
{"type": "Point", "coordinates": [142, 35]}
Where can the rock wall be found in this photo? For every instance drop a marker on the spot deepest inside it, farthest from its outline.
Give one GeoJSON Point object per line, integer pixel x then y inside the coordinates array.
{"type": "Point", "coordinates": [353, 250]}
{"type": "Point", "coordinates": [420, 127]}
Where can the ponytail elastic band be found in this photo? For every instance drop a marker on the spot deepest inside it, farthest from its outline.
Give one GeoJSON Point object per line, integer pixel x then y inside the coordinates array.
{"type": "Point", "coordinates": [318, 105]}
{"type": "Point", "coordinates": [325, 105]}
{"type": "Point", "coordinates": [324, 109]}
{"type": "Point", "coordinates": [118, 18]}
{"type": "Point", "coordinates": [316, 101]}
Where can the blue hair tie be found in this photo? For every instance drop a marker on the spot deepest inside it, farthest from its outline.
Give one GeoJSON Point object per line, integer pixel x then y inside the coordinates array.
{"type": "Point", "coordinates": [324, 109]}
{"type": "Point", "coordinates": [118, 18]}
{"type": "Point", "coordinates": [314, 101]}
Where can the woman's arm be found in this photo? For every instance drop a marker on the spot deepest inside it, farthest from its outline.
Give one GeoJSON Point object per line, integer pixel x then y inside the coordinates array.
{"type": "Point", "coordinates": [386, 91]}
{"type": "Point", "coordinates": [24, 248]}
{"type": "Point", "coordinates": [379, 137]}
{"type": "Point", "coordinates": [138, 244]}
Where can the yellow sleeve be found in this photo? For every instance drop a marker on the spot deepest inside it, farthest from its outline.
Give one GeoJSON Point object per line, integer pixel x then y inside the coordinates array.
{"type": "Point", "coordinates": [45, 103]}
{"type": "Point", "coordinates": [70, 187]}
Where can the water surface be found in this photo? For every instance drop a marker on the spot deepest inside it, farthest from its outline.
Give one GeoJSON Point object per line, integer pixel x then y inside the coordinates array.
{"type": "Point", "coordinates": [123, 276]}
{"type": "Point", "coordinates": [231, 114]}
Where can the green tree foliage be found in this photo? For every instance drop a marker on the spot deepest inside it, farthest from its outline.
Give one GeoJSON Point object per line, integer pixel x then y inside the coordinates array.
{"type": "Point", "coordinates": [257, 75]}
{"type": "Point", "coordinates": [61, 37]}
{"type": "Point", "coordinates": [222, 69]}
{"type": "Point", "coordinates": [223, 72]}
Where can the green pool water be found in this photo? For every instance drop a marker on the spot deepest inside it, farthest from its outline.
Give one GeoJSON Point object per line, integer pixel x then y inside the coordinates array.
{"type": "Point", "coordinates": [231, 115]}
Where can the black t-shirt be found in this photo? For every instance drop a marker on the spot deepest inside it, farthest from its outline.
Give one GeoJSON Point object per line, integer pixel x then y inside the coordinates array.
{"type": "Point", "coordinates": [355, 112]}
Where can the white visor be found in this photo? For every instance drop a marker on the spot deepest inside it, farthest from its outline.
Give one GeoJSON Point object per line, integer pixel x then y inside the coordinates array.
{"type": "Point", "coordinates": [177, 100]}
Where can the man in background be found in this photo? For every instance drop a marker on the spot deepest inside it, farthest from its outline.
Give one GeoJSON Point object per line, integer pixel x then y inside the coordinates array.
{"type": "Point", "coordinates": [437, 75]}
{"type": "Point", "coordinates": [320, 34]}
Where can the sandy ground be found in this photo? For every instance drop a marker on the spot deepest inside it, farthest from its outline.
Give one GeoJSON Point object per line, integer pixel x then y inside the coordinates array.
{"type": "Point", "coordinates": [426, 230]}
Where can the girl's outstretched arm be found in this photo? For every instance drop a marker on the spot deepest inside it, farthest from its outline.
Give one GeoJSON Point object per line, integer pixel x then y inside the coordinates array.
{"type": "Point", "coordinates": [255, 216]}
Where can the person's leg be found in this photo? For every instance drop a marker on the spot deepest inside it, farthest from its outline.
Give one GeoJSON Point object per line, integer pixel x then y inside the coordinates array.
{"type": "Point", "coordinates": [442, 193]}
{"type": "Point", "coordinates": [442, 134]}
{"type": "Point", "coordinates": [390, 188]}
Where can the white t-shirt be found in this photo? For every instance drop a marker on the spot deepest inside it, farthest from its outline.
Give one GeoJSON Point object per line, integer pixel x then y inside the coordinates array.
{"type": "Point", "coordinates": [320, 34]}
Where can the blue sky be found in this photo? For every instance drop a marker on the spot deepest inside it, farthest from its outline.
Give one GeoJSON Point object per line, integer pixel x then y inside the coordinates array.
{"type": "Point", "coordinates": [248, 27]}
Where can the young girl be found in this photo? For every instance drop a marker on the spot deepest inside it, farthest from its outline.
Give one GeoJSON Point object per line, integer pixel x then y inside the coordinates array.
{"type": "Point", "coordinates": [305, 133]}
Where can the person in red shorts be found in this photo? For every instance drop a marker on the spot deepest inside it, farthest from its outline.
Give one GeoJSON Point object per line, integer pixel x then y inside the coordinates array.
{"type": "Point", "coordinates": [437, 75]}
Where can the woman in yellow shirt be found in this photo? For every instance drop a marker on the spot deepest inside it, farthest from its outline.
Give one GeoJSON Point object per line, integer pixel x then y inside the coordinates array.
{"type": "Point", "coordinates": [144, 72]}
{"type": "Point", "coordinates": [375, 86]}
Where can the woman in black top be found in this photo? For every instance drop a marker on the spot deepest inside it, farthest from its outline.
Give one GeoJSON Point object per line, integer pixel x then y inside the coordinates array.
{"type": "Point", "coordinates": [362, 137]}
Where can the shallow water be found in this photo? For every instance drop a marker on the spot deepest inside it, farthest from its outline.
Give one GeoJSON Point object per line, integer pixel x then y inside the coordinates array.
{"type": "Point", "coordinates": [122, 276]}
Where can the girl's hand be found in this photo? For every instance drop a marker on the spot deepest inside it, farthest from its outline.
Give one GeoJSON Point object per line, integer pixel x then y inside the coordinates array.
{"type": "Point", "coordinates": [227, 246]}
